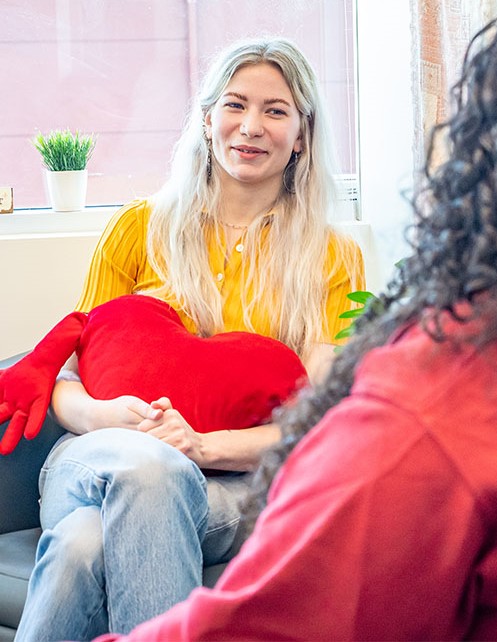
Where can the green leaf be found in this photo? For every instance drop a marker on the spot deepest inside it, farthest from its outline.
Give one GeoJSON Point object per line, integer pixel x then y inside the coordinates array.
{"type": "Point", "coordinates": [360, 296]}
{"type": "Point", "coordinates": [351, 314]}
{"type": "Point", "coordinates": [345, 333]}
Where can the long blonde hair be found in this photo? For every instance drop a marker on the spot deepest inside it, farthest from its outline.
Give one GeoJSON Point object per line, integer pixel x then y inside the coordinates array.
{"type": "Point", "coordinates": [285, 273]}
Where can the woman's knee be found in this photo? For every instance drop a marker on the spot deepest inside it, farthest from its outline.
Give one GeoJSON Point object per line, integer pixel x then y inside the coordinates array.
{"type": "Point", "coordinates": [120, 466]}
{"type": "Point", "coordinates": [122, 447]}
{"type": "Point", "coordinates": [117, 450]}
{"type": "Point", "coordinates": [157, 469]}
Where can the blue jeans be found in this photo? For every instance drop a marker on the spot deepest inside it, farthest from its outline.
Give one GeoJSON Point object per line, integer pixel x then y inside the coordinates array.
{"type": "Point", "coordinates": [128, 523]}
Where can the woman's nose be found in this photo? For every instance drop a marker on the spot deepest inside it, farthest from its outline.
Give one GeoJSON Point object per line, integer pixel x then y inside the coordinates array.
{"type": "Point", "coordinates": [251, 125]}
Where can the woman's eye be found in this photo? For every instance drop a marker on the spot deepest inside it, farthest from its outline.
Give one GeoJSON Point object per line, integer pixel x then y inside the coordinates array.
{"type": "Point", "coordinates": [234, 105]}
{"type": "Point", "coordinates": [277, 112]}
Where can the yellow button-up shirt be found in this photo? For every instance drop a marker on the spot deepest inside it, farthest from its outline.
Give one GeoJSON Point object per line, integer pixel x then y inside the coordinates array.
{"type": "Point", "coordinates": [120, 266]}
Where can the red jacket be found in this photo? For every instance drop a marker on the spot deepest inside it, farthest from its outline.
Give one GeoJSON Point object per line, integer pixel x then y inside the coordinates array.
{"type": "Point", "coordinates": [382, 525]}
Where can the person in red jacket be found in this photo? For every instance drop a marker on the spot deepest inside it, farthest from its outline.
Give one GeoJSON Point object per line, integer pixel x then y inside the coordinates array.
{"type": "Point", "coordinates": [382, 522]}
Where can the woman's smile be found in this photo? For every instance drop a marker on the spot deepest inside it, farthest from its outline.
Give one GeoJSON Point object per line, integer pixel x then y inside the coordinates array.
{"type": "Point", "coordinates": [248, 153]}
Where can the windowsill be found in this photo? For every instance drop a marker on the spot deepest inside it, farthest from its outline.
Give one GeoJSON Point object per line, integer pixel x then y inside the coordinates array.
{"type": "Point", "coordinates": [41, 223]}
{"type": "Point", "coordinates": [44, 223]}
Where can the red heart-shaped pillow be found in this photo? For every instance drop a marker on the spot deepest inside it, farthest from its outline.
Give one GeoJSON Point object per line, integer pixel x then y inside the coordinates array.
{"type": "Point", "coordinates": [138, 345]}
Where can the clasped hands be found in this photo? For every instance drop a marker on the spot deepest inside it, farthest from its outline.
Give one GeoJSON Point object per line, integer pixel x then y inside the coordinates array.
{"type": "Point", "coordinates": [160, 420]}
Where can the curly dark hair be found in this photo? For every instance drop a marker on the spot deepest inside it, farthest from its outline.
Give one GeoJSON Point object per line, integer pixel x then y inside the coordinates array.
{"type": "Point", "coordinates": [454, 244]}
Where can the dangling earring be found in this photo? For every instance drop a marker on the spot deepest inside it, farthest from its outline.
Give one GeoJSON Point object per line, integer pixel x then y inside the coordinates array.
{"type": "Point", "coordinates": [289, 173]}
{"type": "Point", "coordinates": [209, 163]}
{"type": "Point", "coordinates": [208, 142]}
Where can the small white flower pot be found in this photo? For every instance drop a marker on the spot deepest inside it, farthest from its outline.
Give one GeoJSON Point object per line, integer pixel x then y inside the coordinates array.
{"type": "Point", "coordinates": [67, 190]}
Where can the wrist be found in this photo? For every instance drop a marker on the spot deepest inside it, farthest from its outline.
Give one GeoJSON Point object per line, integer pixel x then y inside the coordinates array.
{"type": "Point", "coordinates": [92, 415]}
{"type": "Point", "coordinates": [204, 458]}
{"type": "Point", "coordinates": [235, 450]}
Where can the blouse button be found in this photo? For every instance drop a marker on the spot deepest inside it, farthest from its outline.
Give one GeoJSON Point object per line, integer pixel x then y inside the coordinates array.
{"type": "Point", "coordinates": [219, 276]}
{"type": "Point", "coordinates": [239, 247]}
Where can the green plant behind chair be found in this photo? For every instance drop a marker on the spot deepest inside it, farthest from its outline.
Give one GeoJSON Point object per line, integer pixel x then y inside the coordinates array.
{"type": "Point", "coordinates": [365, 299]}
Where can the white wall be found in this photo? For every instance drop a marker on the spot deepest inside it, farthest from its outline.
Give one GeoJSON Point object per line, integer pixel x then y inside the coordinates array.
{"type": "Point", "coordinates": [42, 272]}
{"type": "Point", "coordinates": [386, 130]}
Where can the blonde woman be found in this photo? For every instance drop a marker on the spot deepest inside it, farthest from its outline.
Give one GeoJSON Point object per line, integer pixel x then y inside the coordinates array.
{"type": "Point", "coordinates": [237, 239]}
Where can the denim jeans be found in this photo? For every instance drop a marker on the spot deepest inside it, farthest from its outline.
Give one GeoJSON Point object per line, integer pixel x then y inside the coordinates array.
{"type": "Point", "coordinates": [128, 523]}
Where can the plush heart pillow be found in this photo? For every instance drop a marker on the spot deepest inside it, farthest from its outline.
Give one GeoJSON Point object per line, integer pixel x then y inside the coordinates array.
{"type": "Point", "coordinates": [138, 345]}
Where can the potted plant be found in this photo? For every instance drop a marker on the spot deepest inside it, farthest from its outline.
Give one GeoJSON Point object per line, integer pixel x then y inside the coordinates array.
{"type": "Point", "coordinates": [65, 156]}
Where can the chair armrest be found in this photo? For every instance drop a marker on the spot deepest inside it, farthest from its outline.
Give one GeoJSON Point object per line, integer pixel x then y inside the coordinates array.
{"type": "Point", "coordinates": [19, 473]}
{"type": "Point", "coordinates": [6, 363]}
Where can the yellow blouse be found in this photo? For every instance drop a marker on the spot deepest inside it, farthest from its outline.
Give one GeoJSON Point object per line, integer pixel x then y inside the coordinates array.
{"type": "Point", "coordinates": [120, 266]}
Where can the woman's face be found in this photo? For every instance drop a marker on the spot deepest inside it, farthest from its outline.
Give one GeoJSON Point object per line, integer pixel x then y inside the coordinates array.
{"type": "Point", "coordinates": [254, 127]}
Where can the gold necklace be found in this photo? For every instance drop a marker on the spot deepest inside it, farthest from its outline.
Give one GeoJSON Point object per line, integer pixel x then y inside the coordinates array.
{"type": "Point", "coordinates": [234, 225]}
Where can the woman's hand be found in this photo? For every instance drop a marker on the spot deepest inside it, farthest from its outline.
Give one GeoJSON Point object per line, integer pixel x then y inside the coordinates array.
{"type": "Point", "coordinates": [126, 411]}
{"type": "Point", "coordinates": [170, 427]}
